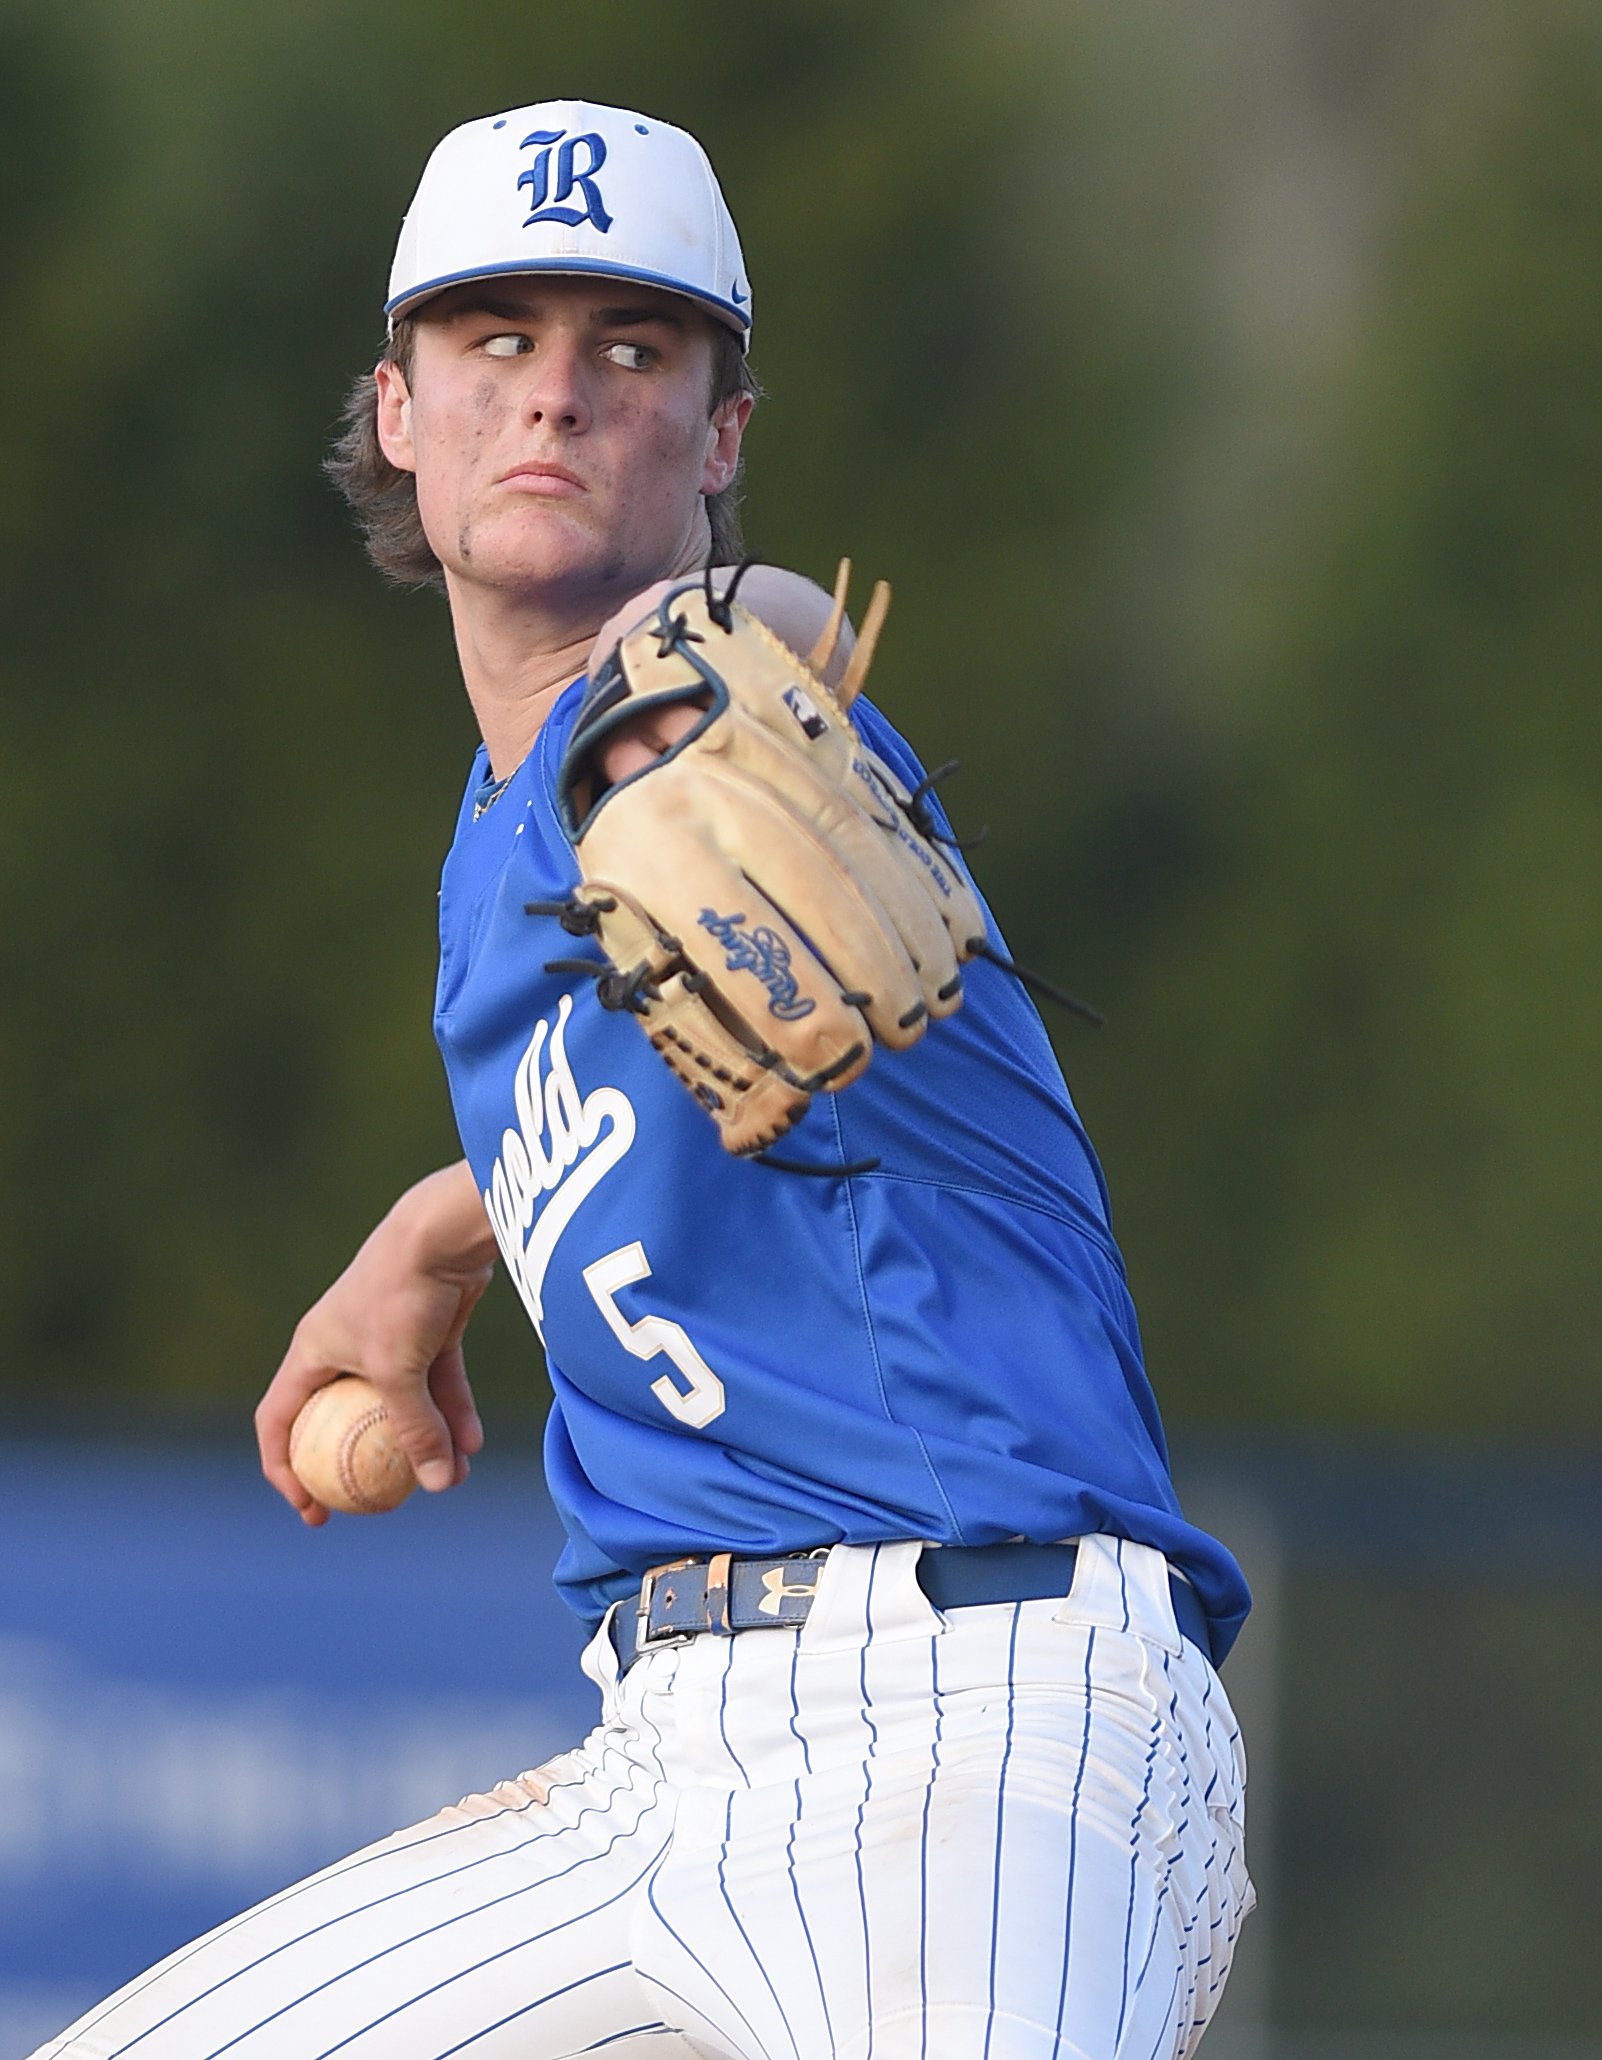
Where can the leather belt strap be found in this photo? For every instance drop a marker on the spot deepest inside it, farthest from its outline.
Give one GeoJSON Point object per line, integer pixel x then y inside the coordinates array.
{"type": "Point", "coordinates": [689, 1598]}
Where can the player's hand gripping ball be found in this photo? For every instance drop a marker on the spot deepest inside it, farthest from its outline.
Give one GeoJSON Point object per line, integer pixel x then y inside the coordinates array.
{"type": "Point", "coordinates": [344, 1450]}
{"type": "Point", "coordinates": [772, 902]}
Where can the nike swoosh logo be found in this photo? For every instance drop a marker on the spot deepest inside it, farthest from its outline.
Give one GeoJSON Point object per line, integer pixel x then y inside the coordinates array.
{"type": "Point", "coordinates": [740, 298]}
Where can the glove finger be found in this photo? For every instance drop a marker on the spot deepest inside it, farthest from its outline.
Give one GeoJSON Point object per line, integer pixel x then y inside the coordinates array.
{"type": "Point", "coordinates": [894, 865]}
{"type": "Point", "coordinates": [862, 829]}
{"type": "Point", "coordinates": [944, 886]}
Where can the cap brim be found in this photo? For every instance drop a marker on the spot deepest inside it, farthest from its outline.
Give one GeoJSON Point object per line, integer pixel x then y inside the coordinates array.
{"type": "Point", "coordinates": [728, 312]}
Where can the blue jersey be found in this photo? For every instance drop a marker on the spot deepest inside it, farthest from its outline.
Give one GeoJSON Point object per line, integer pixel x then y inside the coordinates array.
{"type": "Point", "coordinates": [746, 1360]}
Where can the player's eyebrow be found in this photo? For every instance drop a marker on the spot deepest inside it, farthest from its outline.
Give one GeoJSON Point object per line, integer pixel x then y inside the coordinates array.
{"type": "Point", "coordinates": [488, 304]}
{"type": "Point", "coordinates": [625, 316]}
{"type": "Point", "coordinates": [632, 317]}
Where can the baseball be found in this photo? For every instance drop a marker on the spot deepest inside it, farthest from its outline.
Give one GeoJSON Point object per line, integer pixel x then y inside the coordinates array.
{"type": "Point", "coordinates": [343, 1449]}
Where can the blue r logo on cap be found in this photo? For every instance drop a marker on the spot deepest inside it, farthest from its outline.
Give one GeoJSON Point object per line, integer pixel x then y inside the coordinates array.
{"type": "Point", "coordinates": [569, 180]}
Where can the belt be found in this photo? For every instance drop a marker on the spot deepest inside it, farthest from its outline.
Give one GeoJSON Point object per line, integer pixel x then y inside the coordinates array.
{"type": "Point", "coordinates": [720, 1595]}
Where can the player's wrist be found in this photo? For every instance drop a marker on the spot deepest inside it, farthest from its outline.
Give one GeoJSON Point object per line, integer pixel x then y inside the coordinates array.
{"type": "Point", "coordinates": [440, 1225]}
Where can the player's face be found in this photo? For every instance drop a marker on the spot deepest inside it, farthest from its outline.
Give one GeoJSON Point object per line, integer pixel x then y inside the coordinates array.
{"type": "Point", "coordinates": [559, 431]}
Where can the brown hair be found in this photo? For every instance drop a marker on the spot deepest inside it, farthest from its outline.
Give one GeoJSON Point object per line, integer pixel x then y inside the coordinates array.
{"type": "Point", "coordinates": [384, 498]}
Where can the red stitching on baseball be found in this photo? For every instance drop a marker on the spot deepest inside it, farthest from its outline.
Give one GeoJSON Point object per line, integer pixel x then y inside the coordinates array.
{"type": "Point", "coordinates": [347, 1454]}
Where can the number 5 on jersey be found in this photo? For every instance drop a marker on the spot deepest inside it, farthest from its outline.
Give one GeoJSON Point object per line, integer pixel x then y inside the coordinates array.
{"type": "Point", "coordinates": [701, 1397]}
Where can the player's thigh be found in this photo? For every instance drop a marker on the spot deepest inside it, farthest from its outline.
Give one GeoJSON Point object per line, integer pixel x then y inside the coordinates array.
{"type": "Point", "coordinates": [1058, 1891]}
{"type": "Point", "coordinates": [1024, 1854]}
{"type": "Point", "coordinates": [498, 1927]}
{"type": "Point", "coordinates": [843, 1912]}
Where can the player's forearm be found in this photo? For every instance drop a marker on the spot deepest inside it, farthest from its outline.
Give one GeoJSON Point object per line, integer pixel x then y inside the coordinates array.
{"type": "Point", "coordinates": [443, 1223]}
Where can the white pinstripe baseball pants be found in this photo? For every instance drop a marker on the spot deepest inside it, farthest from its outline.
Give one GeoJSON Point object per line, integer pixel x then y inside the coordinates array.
{"type": "Point", "coordinates": [1011, 1834]}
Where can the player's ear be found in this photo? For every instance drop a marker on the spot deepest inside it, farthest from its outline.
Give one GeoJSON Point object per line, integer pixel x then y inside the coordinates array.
{"type": "Point", "coordinates": [393, 415]}
{"type": "Point", "coordinates": [723, 435]}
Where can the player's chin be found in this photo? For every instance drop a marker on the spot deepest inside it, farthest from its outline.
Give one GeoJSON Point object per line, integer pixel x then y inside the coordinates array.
{"type": "Point", "coordinates": [543, 544]}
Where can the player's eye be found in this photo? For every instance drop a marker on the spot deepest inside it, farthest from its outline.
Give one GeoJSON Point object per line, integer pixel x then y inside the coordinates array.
{"type": "Point", "coordinates": [633, 357]}
{"type": "Point", "coordinates": [511, 345]}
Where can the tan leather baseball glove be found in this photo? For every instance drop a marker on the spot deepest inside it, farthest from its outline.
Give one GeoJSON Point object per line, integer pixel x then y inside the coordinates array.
{"type": "Point", "coordinates": [772, 902]}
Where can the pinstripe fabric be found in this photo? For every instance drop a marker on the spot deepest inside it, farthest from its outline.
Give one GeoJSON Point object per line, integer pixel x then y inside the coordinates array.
{"type": "Point", "coordinates": [923, 1852]}
{"type": "Point", "coordinates": [1012, 1833]}
{"type": "Point", "coordinates": [998, 1864]}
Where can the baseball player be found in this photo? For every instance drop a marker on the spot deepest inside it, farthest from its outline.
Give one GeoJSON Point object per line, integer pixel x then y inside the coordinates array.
{"type": "Point", "coordinates": [912, 1742]}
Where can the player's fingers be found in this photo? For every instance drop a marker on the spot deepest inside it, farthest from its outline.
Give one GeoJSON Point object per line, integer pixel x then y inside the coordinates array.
{"type": "Point", "coordinates": [645, 739]}
{"type": "Point", "coordinates": [298, 1378]}
{"type": "Point", "coordinates": [448, 1383]}
{"type": "Point", "coordinates": [420, 1429]}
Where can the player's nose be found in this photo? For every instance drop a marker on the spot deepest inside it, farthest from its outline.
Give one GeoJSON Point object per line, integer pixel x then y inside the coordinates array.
{"type": "Point", "coordinates": [556, 395]}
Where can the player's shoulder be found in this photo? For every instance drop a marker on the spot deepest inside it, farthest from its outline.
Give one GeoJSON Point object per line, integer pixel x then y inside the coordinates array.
{"type": "Point", "coordinates": [882, 736]}
{"type": "Point", "coordinates": [891, 748]}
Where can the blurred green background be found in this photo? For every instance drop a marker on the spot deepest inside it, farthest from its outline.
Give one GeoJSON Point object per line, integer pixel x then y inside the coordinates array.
{"type": "Point", "coordinates": [1220, 389]}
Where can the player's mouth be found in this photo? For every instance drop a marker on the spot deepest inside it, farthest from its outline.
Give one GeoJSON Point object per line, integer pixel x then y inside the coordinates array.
{"type": "Point", "coordinates": [540, 477]}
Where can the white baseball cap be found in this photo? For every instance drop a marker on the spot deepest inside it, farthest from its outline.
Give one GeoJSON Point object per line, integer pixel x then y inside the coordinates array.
{"type": "Point", "coordinates": [567, 186]}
